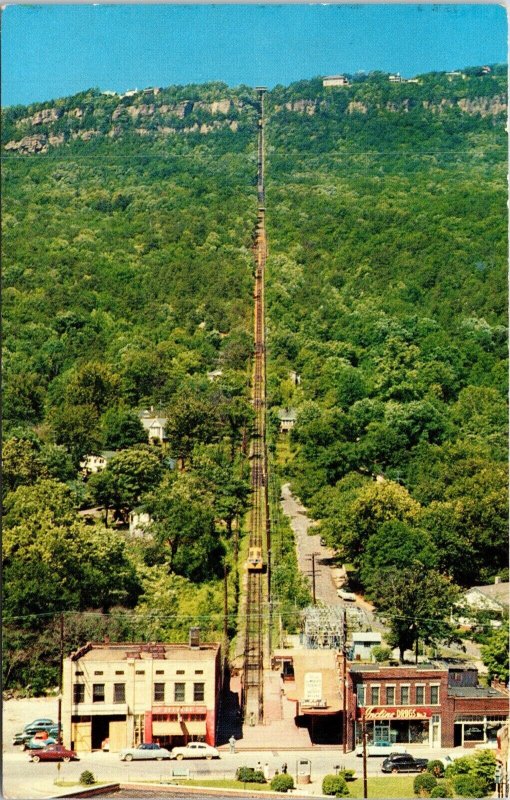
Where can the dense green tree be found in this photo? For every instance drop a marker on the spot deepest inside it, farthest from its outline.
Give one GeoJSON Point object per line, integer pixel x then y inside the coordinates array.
{"type": "Point", "coordinates": [495, 655]}
{"type": "Point", "coordinates": [130, 474]}
{"type": "Point", "coordinates": [121, 428]}
{"type": "Point", "coordinates": [416, 602]}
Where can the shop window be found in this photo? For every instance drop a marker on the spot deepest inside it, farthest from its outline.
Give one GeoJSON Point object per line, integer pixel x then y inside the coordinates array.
{"type": "Point", "coordinates": [98, 692]}
{"type": "Point", "coordinates": [374, 695]}
{"type": "Point", "coordinates": [179, 692]}
{"type": "Point", "coordinates": [404, 695]}
{"type": "Point", "coordinates": [119, 692]}
{"type": "Point", "coordinates": [78, 693]}
{"type": "Point", "coordinates": [198, 691]}
{"type": "Point", "coordinates": [360, 694]}
{"type": "Point", "coordinates": [159, 692]}
{"type": "Point", "coordinates": [390, 695]}
{"type": "Point", "coordinates": [473, 733]}
{"type": "Point", "coordinates": [420, 695]}
{"type": "Point", "coordinates": [434, 695]}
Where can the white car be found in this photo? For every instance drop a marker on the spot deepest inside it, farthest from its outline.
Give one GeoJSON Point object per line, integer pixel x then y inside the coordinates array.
{"type": "Point", "coordinates": [380, 749]}
{"type": "Point", "coordinates": [195, 750]}
{"type": "Point", "coordinates": [145, 752]}
{"type": "Point", "coordinates": [345, 595]}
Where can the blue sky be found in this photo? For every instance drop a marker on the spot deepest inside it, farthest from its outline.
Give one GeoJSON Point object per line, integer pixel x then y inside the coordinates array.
{"type": "Point", "coordinates": [54, 51]}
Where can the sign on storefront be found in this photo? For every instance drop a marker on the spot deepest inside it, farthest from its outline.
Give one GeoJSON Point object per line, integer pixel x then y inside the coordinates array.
{"type": "Point", "coordinates": [396, 712]}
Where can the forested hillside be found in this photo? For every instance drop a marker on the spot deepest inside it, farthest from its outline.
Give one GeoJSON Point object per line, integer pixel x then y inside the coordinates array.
{"type": "Point", "coordinates": [128, 277]}
{"type": "Point", "coordinates": [388, 297]}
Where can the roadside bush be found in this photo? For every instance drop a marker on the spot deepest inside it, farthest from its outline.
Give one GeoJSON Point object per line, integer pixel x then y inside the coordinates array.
{"type": "Point", "coordinates": [436, 768]}
{"type": "Point", "coordinates": [348, 774]}
{"type": "Point", "coordinates": [468, 786]}
{"type": "Point", "coordinates": [335, 785]}
{"type": "Point", "coordinates": [87, 778]}
{"type": "Point", "coordinates": [381, 653]}
{"type": "Point", "coordinates": [250, 775]}
{"type": "Point", "coordinates": [282, 783]}
{"type": "Point", "coordinates": [441, 790]}
{"type": "Point", "coordinates": [424, 783]}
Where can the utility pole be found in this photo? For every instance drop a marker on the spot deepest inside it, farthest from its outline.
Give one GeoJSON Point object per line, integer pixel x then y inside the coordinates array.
{"type": "Point", "coordinates": [364, 734]}
{"type": "Point", "coordinates": [225, 606]}
{"type": "Point", "coordinates": [312, 556]}
{"type": "Point", "coordinates": [60, 678]}
{"type": "Point", "coordinates": [344, 681]}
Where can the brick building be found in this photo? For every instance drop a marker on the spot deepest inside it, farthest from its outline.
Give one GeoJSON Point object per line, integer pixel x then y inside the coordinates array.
{"type": "Point", "coordinates": [141, 692]}
{"type": "Point", "coordinates": [437, 705]}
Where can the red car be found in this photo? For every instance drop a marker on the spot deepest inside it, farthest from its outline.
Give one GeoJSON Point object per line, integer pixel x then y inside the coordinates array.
{"type": "Point", "coordinates": [52, 752]}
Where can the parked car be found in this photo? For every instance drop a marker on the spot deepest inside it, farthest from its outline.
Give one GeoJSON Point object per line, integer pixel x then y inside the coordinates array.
{"type": "Point", "coordinates": [30, 732]}
{"type": "Point", "coordinates": [53, 752]}
{"type": "Point", "coordinates": [146, 752]}
{"type": "Point", "coordinates": [346, 595]}
{"type": "Point", "coordinates": [39, 744]}
{"type": "Point", "coordinates": [39, 724]}
{"type": "Point", "coordinates": [403, 762]}
{"type": "Point", "coordinates": [195, 750]}
{"type": "Point", "coordinates": [380, 749]}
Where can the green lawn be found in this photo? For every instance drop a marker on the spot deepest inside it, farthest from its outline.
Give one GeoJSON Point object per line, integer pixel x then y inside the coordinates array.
{"type": "Point", "coordinates": [392, 786]}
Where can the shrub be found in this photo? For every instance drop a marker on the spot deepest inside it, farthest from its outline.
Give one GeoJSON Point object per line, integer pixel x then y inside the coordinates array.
{"type": "Point", "coordinates": [250, 775]}
{"type": "Point", "coordinates": [335, 785]}
{"type": "Point", "coordinates": [87, 778]}
{"type": "Point", "coordinates": [468, 786]}
{"type": "Point", "coordinates": [381, 653]}
{"type": "Point", "coordinates": [282, 783]}
{"type": "Point", "coordinates": [436, 768]}
{"type": "Point", "coordinates": [348, 774]}
{"type": "Point", "coordinates": [441, 790]}
{"type": "Point", "coordinates": [424, 783]}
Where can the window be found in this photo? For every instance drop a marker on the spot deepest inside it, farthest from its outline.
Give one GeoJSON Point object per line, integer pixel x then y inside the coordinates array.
{"type": "Point", "coordinates": [390, 695]}
{"type": "Point", "coordinates": [119, 692]}
{"type": "Point", "coordinates": [159, 692]}
{"type": "Point", "coordinates": [404, 695]}
{"type": "Point", "coordinates": [434, 695]}
{"type": "Point", "coordinates": [420, 694]}
{"type": "Point", "coordinates": [119, 672]}
{"type": "Point", "coordinates": [140, 672]}
{"type": "Point", "coordinates": [78, 673]}
{"type": "Point", "coordinates": [98, 672]}
{"type": "Point", "coordinates": [360, 694]}
{"type": "Point", "coordinates": [98, 692]}
{"type": "Point", "coordinates": [374, 695]}
{"type": "Point", "coordinates": [78, 693]}
{"type": "Point", "coordinates": [198, 691]}
{"type": "Point", "coordinates": [179, 692]}
{"type": "Point", "coordinates": [180, 672]}
{"type": "Point", "coordinates": [199, 672]}
{"type": "Point", "coordinates": [160, 672]}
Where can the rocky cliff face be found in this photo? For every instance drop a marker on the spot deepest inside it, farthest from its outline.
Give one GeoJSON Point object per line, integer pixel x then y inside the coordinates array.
{"type": "Point", "coordinates": [130, 114]}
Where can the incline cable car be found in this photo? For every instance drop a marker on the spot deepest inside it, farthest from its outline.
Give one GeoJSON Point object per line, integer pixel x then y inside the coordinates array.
{"type": "Point", "coordinates": [254, 562]}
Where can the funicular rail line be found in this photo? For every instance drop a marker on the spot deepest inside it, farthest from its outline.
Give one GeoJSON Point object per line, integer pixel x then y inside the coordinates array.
{"type": "Point", "coordinates": [253, 677]}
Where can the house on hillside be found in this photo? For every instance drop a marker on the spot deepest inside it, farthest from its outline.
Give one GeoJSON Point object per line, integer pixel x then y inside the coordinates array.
{"type": "Point", "coordinates": [335, 80]}
{"type": "Point", "coordinates": [396, 78]}
{"type": "Point", "coordinates": [287, 417]}
{"type": "Point", "coordinates": [493, 597]}
{"type": "Point", "coordinates": [91, 464]}
{"type": "Point", "coordinates": [154, 424]}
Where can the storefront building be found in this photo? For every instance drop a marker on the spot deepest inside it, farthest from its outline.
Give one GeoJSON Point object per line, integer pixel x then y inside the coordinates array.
{"type": "Point", "coordinates": [435, 705]}
{"type": "Point", "coordinates": [399, 704]}
{"type": "Point", "coordinates": [140, 692]}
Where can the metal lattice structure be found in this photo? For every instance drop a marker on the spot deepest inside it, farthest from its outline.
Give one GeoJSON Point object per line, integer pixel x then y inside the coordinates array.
{"type": "Point", "coordinates": [323, 625]}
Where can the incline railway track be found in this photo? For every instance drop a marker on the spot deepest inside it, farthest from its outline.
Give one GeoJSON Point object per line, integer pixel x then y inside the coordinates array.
{"type": "Point", "coordinates": [253, 673]}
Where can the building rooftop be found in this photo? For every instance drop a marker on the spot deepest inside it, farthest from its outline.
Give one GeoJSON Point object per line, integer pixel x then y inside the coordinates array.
{"type": "Point", "coordinates": [496, 591]}
{"type": "Point", "coordinates": [474, 692]}
{"type": "Point", "coordinates": [102, 651]}
{"type": "Point", "coordinates": [368, 636]}
{"type": "Point", "coordinates": [357, 667]}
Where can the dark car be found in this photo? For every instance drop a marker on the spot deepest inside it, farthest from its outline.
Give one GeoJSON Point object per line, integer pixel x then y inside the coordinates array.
{"type": "Point", "coordinates": [403, 762]}
{"type": "Point", "coordinates": [52, 752]}
{"type": "Point", "coordinates": [35, 728]}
